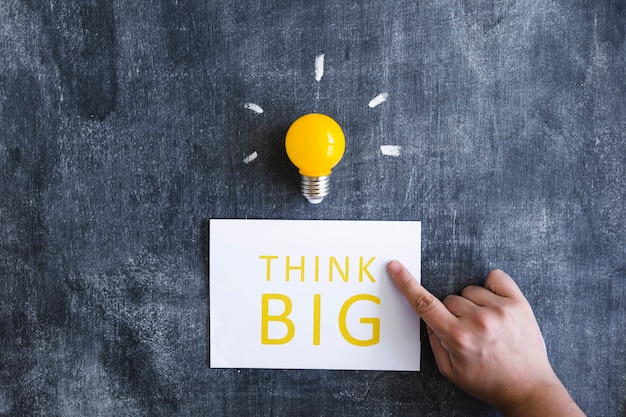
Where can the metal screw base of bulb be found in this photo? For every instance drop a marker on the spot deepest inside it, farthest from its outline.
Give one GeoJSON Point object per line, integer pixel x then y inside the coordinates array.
{"type": "Point", "coordinates": [315, 188]}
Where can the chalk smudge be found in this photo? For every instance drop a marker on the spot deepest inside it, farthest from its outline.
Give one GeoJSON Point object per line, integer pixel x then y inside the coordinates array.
{"type": "Point", "coordinates": [391, 150]}
{"type": "Point", "coordinates": [381, 98]}
{"type": "Point", "coordinates": [254, 107]}
{"type": "Point", "coordinates": [319, 67]}
{"type": "Point", "coordinates": [250, 157]}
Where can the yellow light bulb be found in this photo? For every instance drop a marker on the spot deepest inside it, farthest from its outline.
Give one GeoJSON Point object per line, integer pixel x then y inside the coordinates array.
{"type": "Point", "coordinates": [315, 144]}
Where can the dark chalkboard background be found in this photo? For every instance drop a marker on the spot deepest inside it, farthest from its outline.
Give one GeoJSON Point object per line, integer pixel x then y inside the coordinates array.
{"type": "Point", "coordinates": [123, 130]}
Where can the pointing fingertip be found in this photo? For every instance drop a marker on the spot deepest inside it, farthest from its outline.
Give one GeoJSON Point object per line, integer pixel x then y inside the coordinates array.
{"type": "Point", "coordinates": [394, 267]}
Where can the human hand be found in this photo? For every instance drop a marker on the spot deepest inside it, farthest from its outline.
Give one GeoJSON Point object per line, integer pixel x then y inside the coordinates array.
{"type": "Point", "coordinates": [487, 342]}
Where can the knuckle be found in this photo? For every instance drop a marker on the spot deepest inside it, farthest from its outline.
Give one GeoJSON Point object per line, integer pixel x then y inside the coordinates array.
{"type": "Point", "coordinates": [503, 313]}
{"type": "Point", "coordinates": [463, 341]}
{"type": "Point", "coordinates": [424, 303]}
{"type": "Point", "coordinates": [485, 320]}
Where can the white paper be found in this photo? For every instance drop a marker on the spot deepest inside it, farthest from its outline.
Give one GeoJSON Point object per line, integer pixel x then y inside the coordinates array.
{"type": "Point", "coordinates": [345, 313]}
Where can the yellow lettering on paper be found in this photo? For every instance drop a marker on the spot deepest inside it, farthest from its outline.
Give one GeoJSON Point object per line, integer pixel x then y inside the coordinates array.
{"type": "Point", "coordinates": [363, 268]}
{"type": "Point", "coordinates": [342, 273]}
{"type": "Point", "coordinates": [268, 258]}
{"type": "Point", "coordinates": [316, 318]}
{"type": "Point", "coordinates": [317, 269]}
{"type": "Point", "coordinates": [282, 318]}
{"type": "Point", "coordinates": [375, 322]}
{"type": "Point", "coordinates": [289, 268]}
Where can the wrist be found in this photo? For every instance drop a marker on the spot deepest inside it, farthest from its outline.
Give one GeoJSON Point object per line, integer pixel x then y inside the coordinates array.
{"type": "Point", "coordinates": [546, 400]}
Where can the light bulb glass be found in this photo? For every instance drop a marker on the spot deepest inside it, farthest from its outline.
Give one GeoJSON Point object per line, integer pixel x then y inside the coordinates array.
{"type": "Point", "coordinates": [315, 144]}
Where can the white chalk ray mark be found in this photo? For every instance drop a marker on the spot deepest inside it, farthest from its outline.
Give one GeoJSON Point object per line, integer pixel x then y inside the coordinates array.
{"type": "Point", "coordinates": [254, 107]}
{"type": "Point", "coordinates": [381, 98]}
{"type": "Point", "coordinates": [250, 157]}
{"type": "Point", "coordinates": [391, 150]}
{"type": "Point", "coordinates": [319, 67]}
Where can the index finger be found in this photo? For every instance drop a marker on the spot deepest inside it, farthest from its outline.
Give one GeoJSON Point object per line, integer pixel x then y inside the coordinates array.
{"type": "Point", "coordinates": [426, 305]}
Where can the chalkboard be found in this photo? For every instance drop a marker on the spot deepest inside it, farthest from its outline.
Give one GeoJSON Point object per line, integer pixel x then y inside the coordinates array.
{"type": "Point", "coordinates": [126, 125]}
